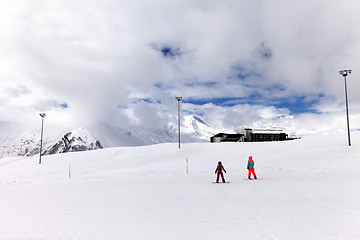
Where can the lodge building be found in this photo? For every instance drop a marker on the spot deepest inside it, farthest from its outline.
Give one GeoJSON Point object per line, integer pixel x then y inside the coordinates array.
{"type": "Point", "coordinates": [251, 135]}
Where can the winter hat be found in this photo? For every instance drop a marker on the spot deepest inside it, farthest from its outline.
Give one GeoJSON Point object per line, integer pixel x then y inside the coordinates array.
{"type": "Point", "coordinates": [250, 158]}
{"type": "Point", "coordinates": [219, 162]}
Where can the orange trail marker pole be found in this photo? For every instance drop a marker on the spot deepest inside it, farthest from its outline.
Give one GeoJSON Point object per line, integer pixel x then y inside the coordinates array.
{"type": "Point", "coordinates": [187, 166]}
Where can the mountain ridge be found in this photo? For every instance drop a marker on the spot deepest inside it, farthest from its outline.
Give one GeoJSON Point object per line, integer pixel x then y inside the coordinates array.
{"type": "Point", "coordinates": [193, 129]}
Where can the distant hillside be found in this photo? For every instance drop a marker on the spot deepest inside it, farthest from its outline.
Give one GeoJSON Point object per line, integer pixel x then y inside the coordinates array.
{"type": "Point", "coordinates": [193, 129]}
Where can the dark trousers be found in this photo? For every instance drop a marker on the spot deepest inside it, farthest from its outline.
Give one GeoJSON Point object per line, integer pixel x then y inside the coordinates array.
{"type": "Point", "coordinates": [222, 177]}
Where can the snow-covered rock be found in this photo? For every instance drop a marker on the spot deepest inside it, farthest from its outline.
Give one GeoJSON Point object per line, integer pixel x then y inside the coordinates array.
{"type": "Point", "coordinates": [74, 141]}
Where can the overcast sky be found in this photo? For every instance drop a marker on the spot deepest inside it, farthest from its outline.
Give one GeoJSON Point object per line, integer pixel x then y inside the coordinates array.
{"type": "Point", "coordinates": [236, 63]}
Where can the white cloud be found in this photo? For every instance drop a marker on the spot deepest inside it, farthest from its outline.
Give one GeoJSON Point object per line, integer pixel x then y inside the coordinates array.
{"type": "Point", "coordinates": [95, 56]}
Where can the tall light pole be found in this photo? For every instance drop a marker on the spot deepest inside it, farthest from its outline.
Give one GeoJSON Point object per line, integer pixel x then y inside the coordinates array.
{"type": "Point", "coordinates": [179, 99]}
{"type": "Point", "coordinates": [42, 115]}
{"type": "Point", "coordinates": [344, 73]}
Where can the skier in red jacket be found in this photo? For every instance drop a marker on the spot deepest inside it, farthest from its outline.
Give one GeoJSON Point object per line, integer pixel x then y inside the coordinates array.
{"type": "Point", "coordinates": [250, 167]}
{"type": "Point", "coordinates": [219, 172]}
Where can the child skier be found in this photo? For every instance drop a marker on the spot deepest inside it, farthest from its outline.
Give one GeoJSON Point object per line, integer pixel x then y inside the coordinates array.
{"type": "Point", "coordinates": [219, 172]}
{"type": "Point", "coordinates": [250, 167]}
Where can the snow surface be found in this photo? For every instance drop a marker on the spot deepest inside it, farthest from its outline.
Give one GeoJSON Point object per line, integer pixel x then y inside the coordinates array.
{"type": "Point", "coordinates": [307, 189]}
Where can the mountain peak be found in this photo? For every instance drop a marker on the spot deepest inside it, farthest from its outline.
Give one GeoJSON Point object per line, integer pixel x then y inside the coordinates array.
{"type": "Point", "coordinates": [77, 140]}
{"type": "Point", "coordinates": [200, 120]}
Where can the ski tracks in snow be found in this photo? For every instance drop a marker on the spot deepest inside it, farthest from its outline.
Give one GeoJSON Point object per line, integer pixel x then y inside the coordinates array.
{"type": "Point", "coordinates": [328, 205]}
{"type": "Point", "coordinates": [262, 225]}
{"type": "Point", "coordinates": [264, 229]}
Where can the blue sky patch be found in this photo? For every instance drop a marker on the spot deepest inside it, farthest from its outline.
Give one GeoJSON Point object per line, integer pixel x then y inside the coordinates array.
{"type": "Point", "coordinates": [206, 84]}
{"type": "Point", "coordinates": [216, 101]}
{"type": "Point", "coordinates": [148, 100]}
{"type": "Point", "coordinates": [277, 87]}
{"type": "Point", "coordinates": [144, 100]}
{"type": "Point", "coordinates": [64, 105]}
{"type": "Point", "coordinates": [296, 105]}
{"type": "Point", "coordinates": [169, 51]}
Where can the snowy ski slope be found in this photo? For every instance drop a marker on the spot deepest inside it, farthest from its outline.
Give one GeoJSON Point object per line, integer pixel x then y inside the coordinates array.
{"type": "Point", "coordinates": [308, 189]}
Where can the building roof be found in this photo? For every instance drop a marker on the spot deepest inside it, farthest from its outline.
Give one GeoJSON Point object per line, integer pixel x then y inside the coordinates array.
{"type": "Point", "coordinates": [260, 131]}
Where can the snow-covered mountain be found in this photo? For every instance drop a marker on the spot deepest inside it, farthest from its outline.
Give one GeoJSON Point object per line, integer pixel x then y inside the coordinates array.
{"type": "Point", "coordinates": [18, 147]}
{"type": "Point", "coordinates": [193, 129]}
{"type": "Point", "coordinates": [29, 144]}
{"type": "Point", "coordinates": [197, 129]}
{"type": "Point", "coordinates": [74, 141]}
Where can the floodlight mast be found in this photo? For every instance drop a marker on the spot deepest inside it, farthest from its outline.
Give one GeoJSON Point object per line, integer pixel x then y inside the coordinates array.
{"type": "Point", "coordinates": [179, 99]}
{"type": "Point", "coordinates": [344, 73]}
{"type": "Point", "coordinates": [42, 115]}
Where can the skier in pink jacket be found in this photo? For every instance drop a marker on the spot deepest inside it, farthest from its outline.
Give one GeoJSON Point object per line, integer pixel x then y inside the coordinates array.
{"type": "Point", "coordinates": [250, 167]}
